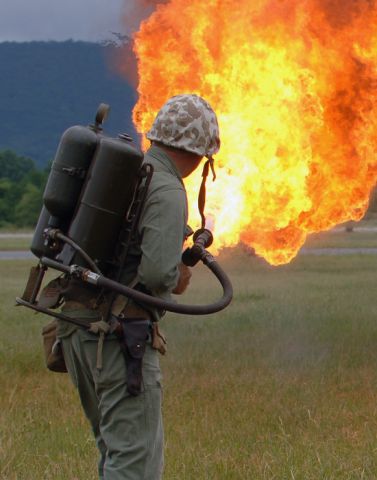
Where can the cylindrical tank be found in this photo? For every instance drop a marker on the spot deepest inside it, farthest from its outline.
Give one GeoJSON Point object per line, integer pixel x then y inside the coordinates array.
{"type": "Point", "coordinates": [39, 246]}
{"type": "Point", "coordinates": [107, 196]}
{"type": "Point", "coordinates": [73, 158]}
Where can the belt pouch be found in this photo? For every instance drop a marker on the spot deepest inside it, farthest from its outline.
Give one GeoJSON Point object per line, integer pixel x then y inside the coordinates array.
{"type": "Point", "coordinates": [54, 357]}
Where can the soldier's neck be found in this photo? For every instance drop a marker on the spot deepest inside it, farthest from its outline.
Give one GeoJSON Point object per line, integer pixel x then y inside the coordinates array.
{"type": "Point", "coordinates": [186, 162]}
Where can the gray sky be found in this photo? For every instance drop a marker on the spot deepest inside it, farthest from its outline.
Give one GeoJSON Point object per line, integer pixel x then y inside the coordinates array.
{"type": "Point", "coordinates": [26, 20]}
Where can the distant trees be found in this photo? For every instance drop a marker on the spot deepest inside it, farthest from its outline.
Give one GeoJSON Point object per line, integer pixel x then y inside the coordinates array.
{"type": "Point", "coordinates": [21, 190]}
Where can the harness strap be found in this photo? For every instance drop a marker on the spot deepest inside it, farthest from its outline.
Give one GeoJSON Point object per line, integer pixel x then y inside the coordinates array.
{"type": "Point", "coordinates": [202, 192]}
{"type": "Point", "coordinates": [100, 328]}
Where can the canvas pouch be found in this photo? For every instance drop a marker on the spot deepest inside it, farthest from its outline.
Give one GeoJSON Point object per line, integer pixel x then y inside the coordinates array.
{"type": "Point", "coordinates": [53, 352]}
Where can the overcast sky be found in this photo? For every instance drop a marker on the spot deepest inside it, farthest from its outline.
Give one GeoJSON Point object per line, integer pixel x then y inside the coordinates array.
{"type": "Point", "coordinates": [92, 20]}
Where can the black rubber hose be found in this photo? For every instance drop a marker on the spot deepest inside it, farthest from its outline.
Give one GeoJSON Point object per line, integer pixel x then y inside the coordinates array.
{"type": "Point", "coordinates": [80, 251]}
{"type": "Point", "coordinates": [174, 307]}
{"type": "Point", "coordinates": [149, 300]}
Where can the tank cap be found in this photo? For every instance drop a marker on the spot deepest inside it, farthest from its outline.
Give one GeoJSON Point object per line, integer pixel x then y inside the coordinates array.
{"type": "Point", "coordinates": [101, 116]}
{"type": "Point", "coordinates": [125, 136]}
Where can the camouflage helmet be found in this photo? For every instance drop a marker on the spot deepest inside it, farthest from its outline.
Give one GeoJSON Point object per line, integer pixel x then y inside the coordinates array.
{"type": "Point", "coordinates": [189, 123]}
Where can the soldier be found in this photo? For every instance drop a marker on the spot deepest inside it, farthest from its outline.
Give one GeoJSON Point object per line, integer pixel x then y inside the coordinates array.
{"type": "Point", "coordinates": [128, 429]}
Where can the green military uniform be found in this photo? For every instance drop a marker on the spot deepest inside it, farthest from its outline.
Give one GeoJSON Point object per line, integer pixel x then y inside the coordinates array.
{"type": "Point", "coordinates": [128, 430]}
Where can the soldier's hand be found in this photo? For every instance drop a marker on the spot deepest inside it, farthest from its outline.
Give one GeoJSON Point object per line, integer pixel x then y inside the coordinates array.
{"type": "Point", "coordinates": [184, 279]}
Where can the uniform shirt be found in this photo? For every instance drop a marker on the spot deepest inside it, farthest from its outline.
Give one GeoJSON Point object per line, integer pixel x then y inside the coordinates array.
{"type": "Point", "coordinates": [153, 263]}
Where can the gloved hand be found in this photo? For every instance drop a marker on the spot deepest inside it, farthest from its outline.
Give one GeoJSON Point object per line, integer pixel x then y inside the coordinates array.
{"type": "Point", "coordinates": [184, 279]}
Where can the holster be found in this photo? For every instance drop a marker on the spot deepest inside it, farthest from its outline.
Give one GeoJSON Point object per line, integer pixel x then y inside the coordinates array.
{"type": "Point", "coordinates": [133, 334]}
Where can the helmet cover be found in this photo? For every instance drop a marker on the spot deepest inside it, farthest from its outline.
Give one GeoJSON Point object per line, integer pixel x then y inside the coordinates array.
{"type": "Point", "coordinates": [189, 123]}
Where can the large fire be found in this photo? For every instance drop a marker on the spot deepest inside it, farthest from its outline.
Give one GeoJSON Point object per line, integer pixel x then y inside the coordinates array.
{"type": "Point", "coordinates": [294, 85]}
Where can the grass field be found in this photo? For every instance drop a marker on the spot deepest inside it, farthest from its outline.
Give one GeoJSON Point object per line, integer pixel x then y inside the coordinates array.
{"type": "Point", "coordinates": [15, 241]}
{"type": "Point", "coordinates": [281, 385]}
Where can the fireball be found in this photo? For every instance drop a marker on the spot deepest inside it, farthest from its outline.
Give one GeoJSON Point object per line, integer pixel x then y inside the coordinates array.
{"type": "Point", "coordinates": [294, 85]}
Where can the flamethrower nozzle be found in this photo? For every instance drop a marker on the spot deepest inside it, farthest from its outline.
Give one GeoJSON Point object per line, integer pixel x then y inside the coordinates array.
{"type": "Point", "coordinates": [203, 239]}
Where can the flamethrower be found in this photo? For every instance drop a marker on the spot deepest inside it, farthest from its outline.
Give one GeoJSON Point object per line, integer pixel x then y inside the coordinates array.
{"type": "Point", "coordinates": [91, 207]}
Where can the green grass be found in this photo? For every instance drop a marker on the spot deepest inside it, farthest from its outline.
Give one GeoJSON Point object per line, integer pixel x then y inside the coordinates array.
{"type": "Point", "coordinates": [281, 385]}
{"type": "Point", "coordinates": [14, 243]}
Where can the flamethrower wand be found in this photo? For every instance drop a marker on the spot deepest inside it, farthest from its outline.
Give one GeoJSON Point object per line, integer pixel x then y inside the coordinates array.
{"type": "Point", "coordinates": [191, 256]}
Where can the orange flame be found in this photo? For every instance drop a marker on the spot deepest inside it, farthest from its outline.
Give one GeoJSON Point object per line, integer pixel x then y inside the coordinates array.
{"type": "Point", "coordinates": [294, 85]}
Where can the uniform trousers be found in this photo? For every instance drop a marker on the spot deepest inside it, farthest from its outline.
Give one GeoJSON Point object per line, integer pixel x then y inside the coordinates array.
{"type": "Point", "coordinates": [128, 430]}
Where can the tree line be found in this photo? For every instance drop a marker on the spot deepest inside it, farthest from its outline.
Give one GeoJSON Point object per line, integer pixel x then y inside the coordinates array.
{"type": "Point", "coordinates": [21, 190]}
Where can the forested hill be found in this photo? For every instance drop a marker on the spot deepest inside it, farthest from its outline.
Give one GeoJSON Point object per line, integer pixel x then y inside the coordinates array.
{"type": "Point", "coordinates": [45, 87]}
